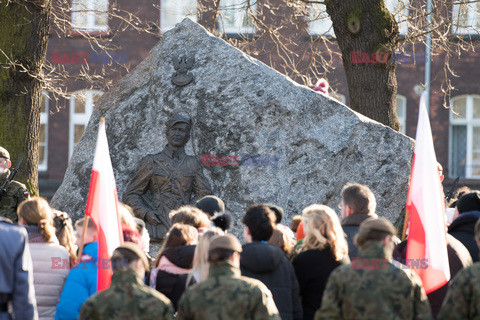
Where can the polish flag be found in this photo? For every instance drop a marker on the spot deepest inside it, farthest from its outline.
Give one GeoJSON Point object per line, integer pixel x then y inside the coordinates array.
{"type": "Point", "coordinates": [102, 208]}
{"type": "Point", "coordinates": [426, 206]}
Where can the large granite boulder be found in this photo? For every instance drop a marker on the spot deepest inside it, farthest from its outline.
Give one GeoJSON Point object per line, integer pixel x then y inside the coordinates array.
{"type": "Point", "coordinates": [295, 146]}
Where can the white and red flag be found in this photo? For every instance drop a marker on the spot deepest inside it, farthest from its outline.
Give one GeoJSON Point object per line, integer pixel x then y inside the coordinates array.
{"type": "Point", "coordinates": [102, 208]}
{"type": "Point", "coordinates": [426, 206]}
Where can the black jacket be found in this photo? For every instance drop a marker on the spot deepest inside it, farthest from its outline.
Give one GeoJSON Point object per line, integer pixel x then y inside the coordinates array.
{"type": "Point", "coordinates": [173, 285]}
{"type": "Point", "coordinates": [267, 263]}
{"type": "Point", "coordinates": [463, 228]}
{"type": "Point", "coordinates": [313, 268]}
{"type": "Point", "coordinates": [350, 226]}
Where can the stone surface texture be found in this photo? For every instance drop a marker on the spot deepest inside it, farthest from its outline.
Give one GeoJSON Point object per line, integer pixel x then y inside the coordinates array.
{"type": "Point", "coordinates": [309, 145]}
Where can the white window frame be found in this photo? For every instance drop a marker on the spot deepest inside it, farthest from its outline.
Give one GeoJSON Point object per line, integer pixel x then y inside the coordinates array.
{"type": "Point", "coordinates": [470, 123]}
{"type": "Point", "coordinates": [179, 13]}
{"type": "Point", "coordinates": [44, 121]}
{"type": "Point", "coordinates": [79, 118]}
{"type": "Point", "coordinates": [87, 8]}
{"type": "Point", "coordinates": [400, 17]}
{"type": "Point", "coordinates": [402, 118]}
{"type": "Point", "coordinates": [472, 15]}
{"type": "Point", "coordinates": [241, 9]}
{"type": "Point", "coordinates": [315, 27]}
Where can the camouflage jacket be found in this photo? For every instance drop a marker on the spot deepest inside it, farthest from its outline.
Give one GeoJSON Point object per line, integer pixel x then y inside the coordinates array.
{"type": "Point", "coordinates": [227, 295]}
{"type": "Point", "coordinates": [463, 296]}
{"type": "Point", "coordinates": [16, 192]}
{"type": "Point", "coordinates": [371, 287]}
{"type": "Point", "coordinates": [127, 298]}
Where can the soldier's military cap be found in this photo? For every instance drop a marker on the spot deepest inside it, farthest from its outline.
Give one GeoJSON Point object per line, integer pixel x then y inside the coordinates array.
{"type": "Point", "coordinates": [375, 224]}
{"type": "Point", "coordinates": [227, 242]}
{"type": "Point", "coordinates": [136, 250]}
{"type": "Point", "coordinates": [178, 118]}
{"type": "Point", "coordinates": [4, 153]}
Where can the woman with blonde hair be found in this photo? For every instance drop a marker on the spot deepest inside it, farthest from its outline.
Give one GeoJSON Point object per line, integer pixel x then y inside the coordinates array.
{"type": "Point", "coordinates": [50, 260]}
{"type": "Point", "coordinates": [199, 271]}
{"type": "Point", "coordinates": [174, 259]}
{"type": "Point", "coordinates": [324, 248]}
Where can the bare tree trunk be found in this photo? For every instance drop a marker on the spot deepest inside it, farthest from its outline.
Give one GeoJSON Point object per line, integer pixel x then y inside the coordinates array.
{"type": "Point", "coordinates": [366, 33]}
{"type": "Point", "coordinates": [24, 28]}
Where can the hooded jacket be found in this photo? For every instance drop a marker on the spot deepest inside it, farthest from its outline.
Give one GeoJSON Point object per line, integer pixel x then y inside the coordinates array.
{"type": "Point", "coordinates": [81, 283]}
{"type": "Point", "coordinates": [463, 228]}
{"type": "Point", "coordinates": [175, 262]}
{"type": "Point", "coordinates": [267, 263]}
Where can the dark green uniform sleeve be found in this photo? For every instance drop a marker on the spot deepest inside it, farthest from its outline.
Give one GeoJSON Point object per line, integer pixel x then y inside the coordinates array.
{"type": "Point", "coordinates": [265, 308]}
{"type": "Point", "coordinates": [183, 310]}
{"type": "Point", "coordinates": [457, 301]}
{"type": "Point", "coordinates": [422, 306]}
{"type": "Point", "coordinates": [87, 311]}
{"type": "Point", "coordinates": [331, 304]}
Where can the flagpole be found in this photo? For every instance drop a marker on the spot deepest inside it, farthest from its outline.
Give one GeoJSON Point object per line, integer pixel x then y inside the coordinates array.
{"type": "Point", "coordinates": [405, 224]}
{"type": "Point", "coordinates": [85, 227]}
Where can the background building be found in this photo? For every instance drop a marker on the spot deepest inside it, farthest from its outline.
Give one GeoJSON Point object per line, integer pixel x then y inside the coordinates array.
{"type": "Point", "coordinates": [456, 135]}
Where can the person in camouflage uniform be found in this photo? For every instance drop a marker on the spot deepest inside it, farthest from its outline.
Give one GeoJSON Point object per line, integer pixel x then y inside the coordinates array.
{"type": "Point", "coordinates": [371, 287]}
{"type": "Point", "coordinates": [225, 294]}
{"type": "Point", "coordinates": [128, 297]}
{"type": "Point", "coordinates": [14, 193]}
{"type": "Point", "coordinates": [463, 296]}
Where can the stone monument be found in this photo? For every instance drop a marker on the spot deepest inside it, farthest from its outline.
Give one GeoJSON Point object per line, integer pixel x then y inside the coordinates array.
{"type": "Point", "coordinates": [260, 137]}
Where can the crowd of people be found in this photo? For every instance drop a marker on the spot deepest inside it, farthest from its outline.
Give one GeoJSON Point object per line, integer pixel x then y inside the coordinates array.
{"type": "Point", "coordinates": [319, 267]}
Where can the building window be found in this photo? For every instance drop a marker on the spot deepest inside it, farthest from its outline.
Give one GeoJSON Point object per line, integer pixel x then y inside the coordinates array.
{"type": "Point", "coordinates": [90, 15]}
{"type": "Point", "coordinates": [466, 17]}
{"type": "Point", "coordinates": [235, 16]}
{"type": "Point", "coordinates": [81, 107]}
{"type": "Point", "coordinates": [173, 12]}
{"type": "Point", "coordinates": [43, 135]}
{"type": "Point", "coordinates": [320, 22]}
{"type": "Point", "coordinates": [465, 137]}
{"type": "Point", "coordinates": [402, 112]}
{"type": "Point", "coordinates": [399, 9]}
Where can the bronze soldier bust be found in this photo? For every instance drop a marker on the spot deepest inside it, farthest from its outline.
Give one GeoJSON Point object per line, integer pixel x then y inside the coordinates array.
{"type": "Point", "coordinates": [167, 180]}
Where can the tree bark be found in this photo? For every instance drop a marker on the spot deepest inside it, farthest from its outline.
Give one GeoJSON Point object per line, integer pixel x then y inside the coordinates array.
{"type": "Point", "coordinates": [24, 29]}
{"type": "Point", "coordinates": [367, 34]}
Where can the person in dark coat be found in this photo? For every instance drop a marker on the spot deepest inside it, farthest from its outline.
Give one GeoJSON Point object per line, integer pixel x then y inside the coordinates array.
{"type": "Point", "coordinates": [324, 248]}
{"type": "Point", "coordinates": [174, 262]}
{"type": "Point", "coordinates": [463, 226]}
{"type": "Point", "coordinates": [458, 258]}
{"type": "Point", "coordinates": [358, 204]}
{"type": "Point", "coordinates": [267, 262]}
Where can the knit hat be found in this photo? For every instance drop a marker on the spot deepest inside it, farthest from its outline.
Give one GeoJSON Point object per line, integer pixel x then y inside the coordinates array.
{"type": "Point", "coordinates": [469, 202]}
{"type": "Point", "coordinates": [300, 234]}
{"type": "Point", "coordinates": [4, 153]}
{"type": "Point", "coordinates": [211, 205]}
{"type": "Point", "coordinates": [322, 86]}
{"type": "Point", "coordinates": [227, 242]}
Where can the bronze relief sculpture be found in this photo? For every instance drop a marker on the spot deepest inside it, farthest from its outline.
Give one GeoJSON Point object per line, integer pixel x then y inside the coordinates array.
{"type": "Point", "coordinates": [166, 180]}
